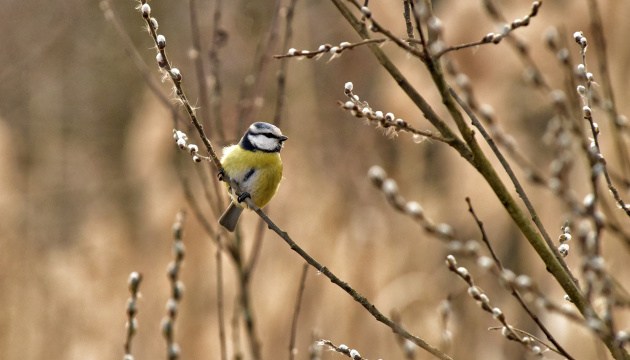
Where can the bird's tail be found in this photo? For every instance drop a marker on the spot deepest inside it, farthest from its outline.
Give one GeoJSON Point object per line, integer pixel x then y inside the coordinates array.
{"type": "Point", "coordinates": [230, 217]}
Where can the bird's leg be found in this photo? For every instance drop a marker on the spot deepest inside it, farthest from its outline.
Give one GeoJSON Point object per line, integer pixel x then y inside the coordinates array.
{"type": "Point", "coordinates": [221, 174]}
{"type": "Point", "coordinates": [243, 196]}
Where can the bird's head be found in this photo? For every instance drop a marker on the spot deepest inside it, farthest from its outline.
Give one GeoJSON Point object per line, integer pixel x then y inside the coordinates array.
{"type": "Point", "coordinates": [263, 137]}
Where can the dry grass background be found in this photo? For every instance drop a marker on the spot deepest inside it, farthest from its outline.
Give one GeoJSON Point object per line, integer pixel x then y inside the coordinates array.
{"type": "Point", "coordinates": [89, 191]}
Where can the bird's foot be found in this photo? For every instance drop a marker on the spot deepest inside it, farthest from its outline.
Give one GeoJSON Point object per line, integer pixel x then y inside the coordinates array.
{"type": "Point", "coordinates": [221, 175]}
{"type": "Point", "coordinates": [243, 196]}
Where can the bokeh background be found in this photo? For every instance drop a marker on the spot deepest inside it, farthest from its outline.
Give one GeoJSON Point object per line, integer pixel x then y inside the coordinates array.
{"type": "Point", "coordinates": [90, 181]}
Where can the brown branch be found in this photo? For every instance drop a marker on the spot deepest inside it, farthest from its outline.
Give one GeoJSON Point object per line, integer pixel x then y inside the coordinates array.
{"type": "Point", "coordinates": [514, 291]}
{"type": "Point", "coordinates": [344, 286]}
{"type": "Point", "coordinates": [282, 72]}
{"type": "Point", "coordinates": [220, 305]}
{"type": "Point", "coordinates": [296, 312]}
{"type": "Point", "coordinates": [328, 48]}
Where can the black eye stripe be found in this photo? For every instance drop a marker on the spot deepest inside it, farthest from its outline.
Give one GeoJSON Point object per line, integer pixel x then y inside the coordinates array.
{"type": "Point", "coordinates": [268, 135]}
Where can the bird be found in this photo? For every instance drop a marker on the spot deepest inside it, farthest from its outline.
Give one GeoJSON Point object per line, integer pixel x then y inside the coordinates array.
{"type": "Point", "coordinates": [255, 165]}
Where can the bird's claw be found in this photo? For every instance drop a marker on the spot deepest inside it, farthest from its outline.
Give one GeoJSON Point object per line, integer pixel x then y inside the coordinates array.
{"type": "Point", "coordinates": [243, 196]}
{"type": "Point", "coordinates": [221, 175]}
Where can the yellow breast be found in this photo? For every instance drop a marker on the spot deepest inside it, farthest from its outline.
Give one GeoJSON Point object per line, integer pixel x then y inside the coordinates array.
{"type": "Point", "coordinates": [257, 172]}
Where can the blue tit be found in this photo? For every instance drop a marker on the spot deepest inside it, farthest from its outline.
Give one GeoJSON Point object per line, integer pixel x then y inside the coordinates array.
{"type": "Point", "coordinates": [255, 165]}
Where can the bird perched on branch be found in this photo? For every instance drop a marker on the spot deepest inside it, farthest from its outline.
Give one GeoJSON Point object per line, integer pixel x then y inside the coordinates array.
{"type": "Point", "coordinates": [255, 165]}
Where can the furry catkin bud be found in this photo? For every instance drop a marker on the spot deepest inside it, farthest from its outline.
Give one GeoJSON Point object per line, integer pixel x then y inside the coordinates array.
{"type": "Point", "coordinates": [161, 42]}
{"type": "Point", "coordinates": [451, 262]}
{"type": "Point", "coordinates": [581, 90]}
{"type": "Point", "coordinates": [355, 354]}
{"type": "Point", "coordinates": [390, 187]}
{"type": "Point", "coordinates": [498, 314]}
{"type": "Point", "coordinates": [160, 60]}
{"type": "Point", "coordinates": [377, 175]}
{"type": "Point", "coordinates": [414, 209]}
{"type": "Point", "coordinates": [463, 272]}
{"type": "Point", "coordinates": [176, 74]}
{"type": "Point", "coordinates": [134, 281]}
{"type": "Point", "coordinates": [587, 111]}
{"type": "Point", "coordinates": [146, 10]}
{"type": "Point", "coordinates": [366, 12]}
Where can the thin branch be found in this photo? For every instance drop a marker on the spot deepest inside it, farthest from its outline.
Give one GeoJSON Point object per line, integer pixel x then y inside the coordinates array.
{"type": "Point", "coordinates": [132, 51]}
{"type": "Point", "coordinates": [407, 5]}
{"type": "Point", "coordinates": [342, 349]}
{"type": "Point", "coordinates": [296, 312]}
{"type": "Point", "coordinates": [344, 286]}
{"type": "Point", "coordinates": [519, 189]}
{"type": "Point", "coordinates": [282, 72]}
{"type": "Point", "coordinates": [177, 288]}
{"type": "Point", "coordinates": [199, 66]}
{"type": "Point", "coordinates": [248, 269]}
{"type": "Point", "coordinates": [328, 48]}
{"type": "Point", "coordinates": [515, 292]}
{"type": "Point", "coordinates": [220, 305]}
{"type": "Point", "coordinates": [176, 79]}
{"type": "Point", "coordinates": [219, 37]}
{"type": "Point", "coordinates": [134, 281]}
{"type": "Point", "coordinates": [597, 28]}
{"type": "Point", "coordinates": [250, 91]}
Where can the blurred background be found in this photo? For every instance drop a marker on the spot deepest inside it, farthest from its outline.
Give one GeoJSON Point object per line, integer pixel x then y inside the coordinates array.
{"type": "Point", "coordinates": [90, 180]}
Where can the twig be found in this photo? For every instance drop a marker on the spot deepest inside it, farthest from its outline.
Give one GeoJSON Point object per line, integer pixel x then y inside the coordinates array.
{"type": "Point", "coordinates": [132, 51]}
{"type": "Point", "coordinates": [596, 159]}
{"type": "Point", "coordinates": [345, 286]}
{"type": "Point", "coordinates": [282, 72]}
{"type": "Point", "coordinates": [296, 312]}
{"type": "Point", "coordinates": [219, 38]}
{"type": "Point", "coordinates": [334, 50]}
{"type": "Point", "coordinates": [408, 4]}
{"type": "Point", "coordinates": [388, 122]}
{"type": "Point", "coordinates": [243, 298]}
{"type": "Point", "coordinates": [250, 91]}
{"type": "Point", "coordinates": [215, 202]}
{"type": "Point", "coordinates": [220, 306]}
{"type": "Point", "coordinates": [194, 206]}
{"type": "Point", "coordinates": [199, 66]}
{"type": "Point", "coordinates": [597, 28]}
{"type": "Point", "coordinates": [528, 335]}
{"type": "Point", "coordinates": [519, 189]}
{"type": "Point", "coordinates": [256, 249]}
{"type": "Point", "coordinates": [134, 281]}
{"type": "Point", "coordinates": [376, 27]}
{"type": "Point", "coordinates": [342, 349]}
{"type": "Point", "coordinates": [515, 292]}
{"type": "Point", "coordinates": [176, 79]}
{"type": "Point", "coordinates": [177, 288]}
{"type": "Point", "coordinates": [519, 45]}
{"type": "Point", "coordinates": [508, 331]}
{"type": "Point", "coordinates": [237, 353]}
{"type": "Point", "coordinates": [496, 38]}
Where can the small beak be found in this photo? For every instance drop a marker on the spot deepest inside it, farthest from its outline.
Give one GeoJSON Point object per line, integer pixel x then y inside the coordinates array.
{"type": "Point", "coordinates": [283, 138]}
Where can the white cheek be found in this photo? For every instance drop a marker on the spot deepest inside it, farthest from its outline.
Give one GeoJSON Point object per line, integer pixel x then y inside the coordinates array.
{"type": "Point", "coordinates": [263, 142]}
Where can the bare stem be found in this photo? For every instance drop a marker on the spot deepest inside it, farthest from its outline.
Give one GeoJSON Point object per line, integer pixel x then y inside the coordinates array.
{"type": "Point", "coordinates": [296, 312]}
